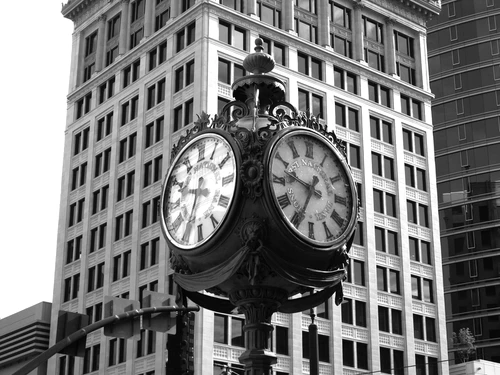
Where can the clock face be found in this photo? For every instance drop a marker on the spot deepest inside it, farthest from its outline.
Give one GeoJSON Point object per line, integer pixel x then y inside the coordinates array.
{"type": "Point", "coordinates": [311, 187]}
{"type": "Point", "coordinates": [199, 190]}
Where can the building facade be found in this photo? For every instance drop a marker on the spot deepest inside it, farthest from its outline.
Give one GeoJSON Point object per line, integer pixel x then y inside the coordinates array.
{"type": "Point", "coordinates": [464, 69]}
{"type": "Point", "coordinates": [142, 70]}
{"type": "Point", "coordinates": [23, 336]}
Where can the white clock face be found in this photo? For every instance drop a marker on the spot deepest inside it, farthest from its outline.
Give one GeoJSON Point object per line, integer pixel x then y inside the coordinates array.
{"type": "Point", "coordinates": [311, 187]}
{"type": "Point", "coordinates": [199, 191]}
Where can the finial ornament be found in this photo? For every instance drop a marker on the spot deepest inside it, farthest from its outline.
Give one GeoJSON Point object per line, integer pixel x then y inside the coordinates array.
{"type": "Point", "coordinates": [259, 62]}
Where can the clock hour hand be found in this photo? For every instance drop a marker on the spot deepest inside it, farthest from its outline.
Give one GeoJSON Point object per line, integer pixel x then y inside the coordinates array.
{"type": "Point", "coordinates": [197, 192]}
{"type": "Point", "coordinates": [316, 192]}
{"type": "Point", "coordinates": [203, 192]}
{"type": "Point", "coordinates": [302, 212]}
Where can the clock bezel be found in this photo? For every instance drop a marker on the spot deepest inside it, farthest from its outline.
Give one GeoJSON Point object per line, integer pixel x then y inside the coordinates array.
{"type": "Point", "coordinates": [273, 203]}
{"type": "Point", "coordinates": [230, 211]}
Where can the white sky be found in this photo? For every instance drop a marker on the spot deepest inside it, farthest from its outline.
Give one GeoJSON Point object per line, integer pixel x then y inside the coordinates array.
{"type": "Point", "coordinates": [34, 76]}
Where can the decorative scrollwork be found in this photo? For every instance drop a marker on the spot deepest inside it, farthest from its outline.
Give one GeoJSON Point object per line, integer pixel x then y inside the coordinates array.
{"type": "Point", "coordinates": [202, 123]}
{"type": "Point", "coordinates": [178, 264]}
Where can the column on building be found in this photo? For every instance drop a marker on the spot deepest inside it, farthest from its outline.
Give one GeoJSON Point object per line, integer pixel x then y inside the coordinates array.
{"type": "Point", "coordinates": [288, 12]}
{"type": "Point", "coordinates": [251, 7]}
{"type": "Point", "coordinates": [323, 23]}
{"type": "Point", "coordinates": [124, 27]}
{"type": "Point", "coordinates": [390, 50]}
{"type": "Point", "coordinates": [175, 8]}
{"type": "Point", "coordinates": [149, 16]}
{"type": "Point", "coordinates": [358, 32]}
{"type": "Point", "coordinates": [99, 55]}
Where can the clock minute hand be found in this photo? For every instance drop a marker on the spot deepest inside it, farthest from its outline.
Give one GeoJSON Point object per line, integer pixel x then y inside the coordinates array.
{"type": "Point", "coordinates": [316, 192]}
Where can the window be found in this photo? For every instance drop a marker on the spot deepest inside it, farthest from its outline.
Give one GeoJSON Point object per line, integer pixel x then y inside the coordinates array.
{"type": "Point", "coordinates": [88, 71]}
{"type": "Point", "coordinates": [185, 37]}
{"type": "Point", "coordinates": [137, 10]}
{"type": "Point", "coordinates": [125, 186]}
{"type": "Point", "coordinates": [269, 14]}
{"type": "Point", "coordinates": [100, 199]}
{"type": "Point", "coordinates": [306, 30]}
{"type": "Point", "coordinates": [71, 287]}
{"type": "Point", "coordinates": [106, 90]}
{"type": "Point", "coordinates": [309, 5]}
{"type": "Point", "coordinates": [76, 212]}
{"type": "Point", "coordinates": [379, 94]}
{"type": "Point", "coordinates": [97, 237]}
{"type": "Point", "coordinates": [153, 171]}
{"type": "Point", "coordinates": [91, 44]}
{"type": "Point", "coordinates": [136, 37]}
{"type": "Point", "coordinates": [233, 35]}
{"type": "Point", "coordinates": [83, 105]}
{"type": "Point", "coordinates": [117, 351]}
{"type": "Point", "coordinates": [405, 63]}
{"type": "Point", "coordinates": [161, 18]}
{"type": "Point", "coordinates": [347, 353]}
{"type": "Point", "coordinates": [154, 132]}
{"type": "Point", "coordinates": [311, 102]}
{"type": "Point", "coordinates": [420, 217]}
{"type": "Point", "coordinates": [345, 80]}
{"type": "Point", "coordinates": [228, 330]}
{"type": "Point", "coordinates": [184, 76]}
{"type": "Point", "coordinates": [406, 73]}
{"type": "Point", "coordinates": [404, 44]}
{"type": "Point", "coordinates": [374, 59]}
{"type": "Point", "coordinates": [123, 225]}
{"type": "Point", "coordinates": [127, 147]}
{"type": "Point", "coordinates": [386, 241]}
{"type": "Point", "coordinates": [310, 66]}
{"type": "Point", "coordinates": [102, 162]}
{"type": "Point", "coordinates": [130, 110]}
{"type": "Point", "coordinates": [428, 295]}
{"type": "Point", "coordinates": [275, 49]}
{"type": "Point", "coordinates": [415, 177]}
{"type": "Point", "coordinates": [150, 212]}
{"type": "Point", "coordinates": [121, 265]}
{"type": "Point", "coordinates": [114, 27]}
{"type": "Point", "coordinates": [356, 274]}
{"type": "Point", "coordinates": [149, 253]}
{"type": "Point", "coordinates": [91, 359]}
{"type": "Point", "coordinates": [131, 73]}
{"type": "Point", "coordinates": [74, 249]}
{"type": "Point", "coordinates": [281, 340]}
{"type": "Point", "coordinates": [156, 93]}
{"type": "Point", "coordinates": [228, 72]}
{"type": "Point", "coordinates": [104, 126]}
{"type": "Point", "coordinates": [354, 156]}
{"type": "Point", "coordinates": [146, 344]}
{"type": "Point", "coordinates": [383, 166]}
{"type": "Point", "coordinates": [413, 142]}
{"type": "Point", "coordinates": [81, 141]}
{"type": "Point", "coordinates": [94, 312]}
{"type": "Point", "coordinates": [381, 130]}
{"type": "Point", "coordinates": [354, 313]}
{"type": "Point", "coordinates": [340, 15]}
{"type": "Point", "coordinates": [346, 117]}
{"type": "Point", "coordinates": [183, 115]}
{"type": "Point", "coordinates": [157, 56]}
{"type": "Point", "coordinates": [95, 277]}
{"type": "Point", "coordinates": [411, 107]}
{"type": "Point", "coordinates": [79, 176]}
{"type": "Point", "coordinates": [384, 203]}
{"type": "Point", "coordinates": [372, 30]}
{"type": "Point", "coordinates": [341, 45]}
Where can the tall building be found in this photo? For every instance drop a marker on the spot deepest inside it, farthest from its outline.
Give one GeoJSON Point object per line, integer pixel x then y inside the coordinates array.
{"type": "Point", "coordinates": [142, 70]}
{"type": "Point", "coordinates": [23, 336]}
{"type": "Point", "coordinates": [464, 64]}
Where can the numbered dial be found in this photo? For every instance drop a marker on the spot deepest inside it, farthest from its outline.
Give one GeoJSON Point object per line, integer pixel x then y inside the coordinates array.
{"type": "Point", "coordinates": [312, 187]}
{"type": "Point", "coordinates": [199, 190]}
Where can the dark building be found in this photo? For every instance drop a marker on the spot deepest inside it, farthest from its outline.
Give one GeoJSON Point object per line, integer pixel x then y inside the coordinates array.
{"type": "Point", "coordinates": [464, 65]}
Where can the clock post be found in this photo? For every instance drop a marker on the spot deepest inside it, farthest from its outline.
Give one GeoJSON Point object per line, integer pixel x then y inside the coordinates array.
{"type": "Point", "coordinates": [258, 206]}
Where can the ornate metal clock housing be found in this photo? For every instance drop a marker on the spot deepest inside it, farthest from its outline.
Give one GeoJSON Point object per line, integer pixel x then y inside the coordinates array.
{"type": "Point", "coordinates": [199, 190]}
{"type": "Point", "coordinates": [311, 187]}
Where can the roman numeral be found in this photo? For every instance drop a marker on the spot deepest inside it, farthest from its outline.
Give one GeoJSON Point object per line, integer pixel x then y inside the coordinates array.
{"type": "Point", "coordinates": [177, 222]}
{"type": "Point", "coordinates": [341, 200]}
{"type": "Point", "coordinates": [335, 179]}
{"type": "Point", "coordinates": [187, 163]}
{"type": "Point", "coordinates": [296, 219]}
{"type": "Point", "coordinates": [176, 182]}
{"type": "Point", "coordinates": [283, 201]}
{"type": "Point", "coordinates": [201, 152]}
{"type": "Point", "coordinates": [214, 221]}
{"type": "Point", "coordinates": [279, 180]}
{"type": "Point", "coordinates": [323, 161]}
{"type": "Point", "coordinates": [226, 180]}
{"type": "Point", "coordinates": [337, 218]}
{"type": "Point", "coordinates": [226, 158]}
{"type": "Point", "coordinates": [200, 232]}
{"type": "Point", "coordinates": [174, 205]}
{"type": "Point", "coordinates": [329, 235]}
{"type": "Point", "coordinates": [311, 230]}
{"type": "Point", "coordinates": [309, 150]}
{"type": "Point", "coordinates": [213, 152]}
{"type": "Point", "coordinates": [294, 150]}
{"type": "Point", "coordinates": [223, 201]}
{"type": "Point", "coordinates": [278, 156]}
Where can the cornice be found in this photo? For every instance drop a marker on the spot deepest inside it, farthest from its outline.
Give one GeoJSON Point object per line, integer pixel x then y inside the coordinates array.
{"type": "Point", "coordinates": [418, 11]}
{"type": "Point", "coordinates": [73, 9]}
